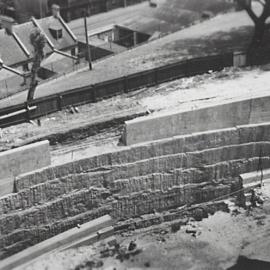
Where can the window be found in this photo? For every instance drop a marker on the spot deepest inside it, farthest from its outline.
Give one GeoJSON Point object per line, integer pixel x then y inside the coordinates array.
{"type": "Point", "coordinates": [57, 33]}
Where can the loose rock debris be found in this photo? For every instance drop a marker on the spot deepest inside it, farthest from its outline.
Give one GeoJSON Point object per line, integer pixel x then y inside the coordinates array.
{"type": "Point", "coordinates": [210, 244]}
{"type": "Point", "coordinates": [120, 252]}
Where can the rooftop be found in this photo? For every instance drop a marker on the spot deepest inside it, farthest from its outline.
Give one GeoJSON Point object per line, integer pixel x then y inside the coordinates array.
{"type": "Point", "coordinates": [167, 17]}
{"type": "Point", "coordinates": [12, 49]}
{"type": "Point", "coordinates": [224, 32]}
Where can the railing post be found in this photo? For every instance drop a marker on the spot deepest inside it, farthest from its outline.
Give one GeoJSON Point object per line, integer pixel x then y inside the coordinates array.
{"type": "Point", "coordinates": [93, 88]}
{"type": "Point", "coordinates": [125, 84]}
{"type": "Point", "coordinates": [156, 76]}
{"type": "Point", "coordinates": [28, 116]}
{"type": "Point", "coordinates": [186, 68]}
{"type": "Point", "coordinates": [60, 102]}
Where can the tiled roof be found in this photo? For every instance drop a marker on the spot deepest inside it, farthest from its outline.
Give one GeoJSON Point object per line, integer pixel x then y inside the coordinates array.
{"type": "Point", "coordinates": [23, 31]}
{"type": "Point", "coordinates": [11, 52]}
{"type": "Point", "coordinates": [61, 44]}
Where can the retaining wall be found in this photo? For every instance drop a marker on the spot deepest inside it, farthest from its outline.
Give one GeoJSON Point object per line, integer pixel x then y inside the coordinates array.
{"type": "Point", "coordinates": [150, 128]}
{"type": "Point", "coordinates": [21, 160]}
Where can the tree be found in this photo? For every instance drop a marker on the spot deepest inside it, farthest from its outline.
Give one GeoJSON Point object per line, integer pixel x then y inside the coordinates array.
{"type": "Point", "coordinates": [5, 4]}
{"type": "Point", "coordinates": [38, 41]}
{"type": "Point", "coordinates": [258, 19]}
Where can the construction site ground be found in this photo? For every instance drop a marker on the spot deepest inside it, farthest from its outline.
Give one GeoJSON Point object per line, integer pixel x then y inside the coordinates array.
{"type": "Point", "coordinates": [215, 243]}
{"type": "Point", "coordinates": [98, 126]}
{"type": "Point", "coordinates": [223, 33]}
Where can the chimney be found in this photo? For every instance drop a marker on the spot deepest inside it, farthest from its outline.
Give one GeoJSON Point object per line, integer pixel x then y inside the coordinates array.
{"type": "Point", "coordinates": [7, 23]}
{"type": "Point", "coordinates": [55, 11]}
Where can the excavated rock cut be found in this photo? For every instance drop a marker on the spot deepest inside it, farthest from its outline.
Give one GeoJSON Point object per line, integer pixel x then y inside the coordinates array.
{"type": "Point", "coordinates": [137, 180]}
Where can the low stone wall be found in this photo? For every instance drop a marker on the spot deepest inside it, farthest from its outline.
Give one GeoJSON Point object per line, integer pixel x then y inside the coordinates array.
{"type": "Point", "coordinates": [21, 160]}
{"type": "Point", "coordinates": [151, 128]}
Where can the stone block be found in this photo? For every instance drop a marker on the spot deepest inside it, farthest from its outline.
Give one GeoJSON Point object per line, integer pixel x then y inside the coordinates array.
{"type": "Point", "coordinates": [119, 157]}
{"type": "Point", "coordinates": [22, 160]}
{"type": "Point", "coordinates": [221, 116]}
{"type": "Point", "coordinates": [103, 160]}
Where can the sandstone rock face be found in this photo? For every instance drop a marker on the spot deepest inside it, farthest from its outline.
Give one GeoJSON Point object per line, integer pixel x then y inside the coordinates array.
{"type": "Point", "coordinates": [137, 180]}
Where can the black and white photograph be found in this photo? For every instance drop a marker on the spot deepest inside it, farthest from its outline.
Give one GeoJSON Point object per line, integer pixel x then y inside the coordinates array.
{"type": "Point", "coordinates": [134, 134]}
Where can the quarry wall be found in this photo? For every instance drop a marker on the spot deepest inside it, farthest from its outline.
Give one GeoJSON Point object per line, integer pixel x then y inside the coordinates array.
{"type": "Point", "coordinates": [136, 180]}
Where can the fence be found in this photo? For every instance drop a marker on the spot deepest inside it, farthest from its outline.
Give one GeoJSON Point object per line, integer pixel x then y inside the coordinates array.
{"type": "Point", "coordinates": [93, 93]}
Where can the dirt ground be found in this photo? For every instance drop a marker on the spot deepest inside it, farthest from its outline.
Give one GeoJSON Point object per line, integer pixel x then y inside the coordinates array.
{"type": "Point", "coordinates": [184, 94]}
{"type": "Point", "coordinates": [216, 244]}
